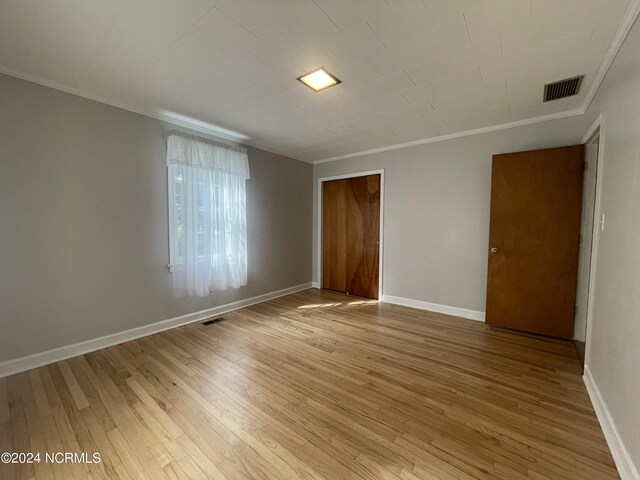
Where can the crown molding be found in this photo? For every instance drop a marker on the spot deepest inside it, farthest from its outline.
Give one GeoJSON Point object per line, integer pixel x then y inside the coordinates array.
{"type": "Point", "coordinates": [610, 55]}
{"type": "Point", "coordinates": [617, 42]}
{"type": "Point", "coordinates": [451, 136]}
{"type": "Point", "coordinates": [225, 134]}
{"type": "Point", "coordinates": [219, 133]}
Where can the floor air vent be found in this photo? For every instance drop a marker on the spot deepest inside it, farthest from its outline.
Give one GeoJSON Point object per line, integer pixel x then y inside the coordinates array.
{"type": "Point", "coordinates": [212, 321]}
{"type": "Point", "coordinates": [564, 88]}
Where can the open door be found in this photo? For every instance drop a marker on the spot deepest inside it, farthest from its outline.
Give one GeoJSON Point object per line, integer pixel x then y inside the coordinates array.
{"type": "Point", "coordinates": [351, 235]}
{"type": "Point", "coordinates": [534, 237]}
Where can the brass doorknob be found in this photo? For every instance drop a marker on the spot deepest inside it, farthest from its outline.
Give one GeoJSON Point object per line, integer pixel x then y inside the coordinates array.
{"type": "Point", "coordinates": [494, 250]}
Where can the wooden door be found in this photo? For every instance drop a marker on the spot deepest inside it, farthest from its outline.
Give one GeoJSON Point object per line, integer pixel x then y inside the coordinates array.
{"type": "Point", "coordinates": [351, 235]}
{"type": "Point", "coordinates": [534, 235]}
{"type": "Point", "coordinates": [334, 235]}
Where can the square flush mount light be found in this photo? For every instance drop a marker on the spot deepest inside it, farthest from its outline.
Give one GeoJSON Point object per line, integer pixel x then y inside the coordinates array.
{"type": "Point", "coordinates": [319, 79]}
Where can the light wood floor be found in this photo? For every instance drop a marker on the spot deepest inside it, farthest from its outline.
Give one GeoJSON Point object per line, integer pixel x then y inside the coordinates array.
{"type": "Point", "coordinates": [314, 385]}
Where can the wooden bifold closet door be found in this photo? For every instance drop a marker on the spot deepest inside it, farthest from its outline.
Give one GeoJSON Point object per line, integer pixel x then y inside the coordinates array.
{"type": "Point", "coordinates": [351, 235]}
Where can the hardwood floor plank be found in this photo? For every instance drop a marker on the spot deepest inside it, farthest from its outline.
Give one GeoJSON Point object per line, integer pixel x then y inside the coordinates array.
{"type": "Point", "coordinates": [18, 431]}
{"type": "Point", "coordinates": [39, 393]}
{"type": "Point", "coordinates": [78, 395]}
{"type": "Point", "coordinates": [5, 413]}
{"type": "Point", "coordinates": [318, 386]}
{"type": "Point", "coordinates": [161, 416]}
{"type": "Point", "coordinates": [130, 464]}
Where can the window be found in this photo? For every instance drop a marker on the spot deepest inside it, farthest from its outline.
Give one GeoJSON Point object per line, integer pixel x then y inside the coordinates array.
{"type": "Point", "coordinates": [207, 214]}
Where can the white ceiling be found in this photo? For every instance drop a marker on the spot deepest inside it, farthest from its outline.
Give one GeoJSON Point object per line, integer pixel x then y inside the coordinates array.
{"type": "Point", "coordinates": [411, 69]}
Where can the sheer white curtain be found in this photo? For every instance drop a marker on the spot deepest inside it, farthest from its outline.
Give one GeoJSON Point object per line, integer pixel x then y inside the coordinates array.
{"type": "Point", "coordinates": [207, 214]}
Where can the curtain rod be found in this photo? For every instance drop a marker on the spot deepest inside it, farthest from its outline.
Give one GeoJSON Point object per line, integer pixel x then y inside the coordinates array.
{"type": "Point", "coordinates": [190, 136]}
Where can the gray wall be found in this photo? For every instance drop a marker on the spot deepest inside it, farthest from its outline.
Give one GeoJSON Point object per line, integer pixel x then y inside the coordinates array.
{"type": "Point", "coordinates": [83, 208]}
{"type": "Point", "coordinates": [614, 354]}
{"type": "Point", "coordinates": [436, 213]}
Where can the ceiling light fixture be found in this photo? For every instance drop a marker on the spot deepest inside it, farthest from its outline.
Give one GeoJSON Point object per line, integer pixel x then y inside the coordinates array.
{"type": "Point", "coordinates": [319, 79]}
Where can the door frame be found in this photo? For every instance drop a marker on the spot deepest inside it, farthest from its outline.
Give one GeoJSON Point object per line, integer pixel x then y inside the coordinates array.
{"type": "Point", "coordinates": [380, 235]}
{"type": "Point", "coordinates": [597, 127]}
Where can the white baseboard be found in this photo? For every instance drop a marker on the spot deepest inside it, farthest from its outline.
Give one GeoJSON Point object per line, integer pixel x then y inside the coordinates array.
{"type": "Point", "coordinates": [626, 467]}
{"type": "Point", "coordinates": [434, 307]}
{"type": "Point", "coordinates": [315, 284]}
{"type": "Point", "coordinates": [11, 367]}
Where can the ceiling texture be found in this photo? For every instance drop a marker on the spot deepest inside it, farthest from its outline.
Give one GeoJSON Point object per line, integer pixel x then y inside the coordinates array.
{"type": "Point", "coordinates": [411, 69]}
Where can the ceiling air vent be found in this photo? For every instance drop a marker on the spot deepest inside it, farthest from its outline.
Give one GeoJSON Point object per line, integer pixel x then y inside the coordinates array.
{"type": "Point", "coordinates": [564, 88]}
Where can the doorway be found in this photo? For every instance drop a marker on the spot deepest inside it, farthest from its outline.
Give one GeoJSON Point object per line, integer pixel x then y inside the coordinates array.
{"type": "Point", "coordinates": [587, 231]}
{"type": "Point", "coordinates": [350, 227]}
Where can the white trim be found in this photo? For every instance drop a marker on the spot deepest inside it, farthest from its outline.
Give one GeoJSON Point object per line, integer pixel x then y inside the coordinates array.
{"type": "Point", "coordinates": [435, 307]}
{"type": "Point", "coordinates": [380, 172]}
{"type": "Point", "coordinates": [598, 126]}
{"type": "Point", "coordinates": [451, 136]}
{"type": "Point", "coordinates": [592, 130]}
{"type": "Point", "coordinates": [11, 367]}
{"type": "Point", "coordinates": [203, 127]}
{"type": "Point", "coordinates": [166, 117]}
{"type": "Point", "coordinates": [612, 51]}
{"type": "Point", "coordinates": [315, 285]}
{"type": "Point", "coordinates": [621, 456]}
{"type": "Point", "coordinates": [610, 55]}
